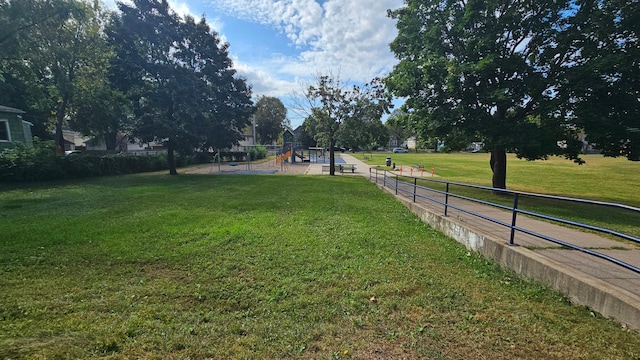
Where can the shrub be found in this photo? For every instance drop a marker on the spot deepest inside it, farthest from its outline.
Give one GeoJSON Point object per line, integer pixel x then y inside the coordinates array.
{"type": "Point", "coordinates": [43, 162]}
{"type": "Point", "coordinates": [258, 152]}
{"type": "Point", "coordinates": [24, 163]}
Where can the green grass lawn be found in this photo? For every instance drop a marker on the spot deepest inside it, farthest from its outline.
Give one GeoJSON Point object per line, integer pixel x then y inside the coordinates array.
{"type": "Point", "coordinates": [200, 266]}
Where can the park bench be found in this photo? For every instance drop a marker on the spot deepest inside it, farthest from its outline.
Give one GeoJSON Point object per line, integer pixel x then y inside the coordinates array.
{"type": "Point", "coordinates": [340, 168]}
{"type": "Point", "coordinates": [343, 167]}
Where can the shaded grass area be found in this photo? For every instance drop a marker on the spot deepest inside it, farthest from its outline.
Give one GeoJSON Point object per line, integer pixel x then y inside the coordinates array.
{"type": "Point", "coordinates": [601, 179]}
{"type": "Point", "coordinates": [152, 266]}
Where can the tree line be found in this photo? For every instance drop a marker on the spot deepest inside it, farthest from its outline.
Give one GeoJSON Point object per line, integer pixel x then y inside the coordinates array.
{"type": "Point", "coordinates": [529, 77]}
{"type": "Point", "coordinates": [143, 70]}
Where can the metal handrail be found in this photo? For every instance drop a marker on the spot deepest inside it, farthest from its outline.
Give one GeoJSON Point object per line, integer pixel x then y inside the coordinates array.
{"type": "Point", "coordinates": [410, 189]}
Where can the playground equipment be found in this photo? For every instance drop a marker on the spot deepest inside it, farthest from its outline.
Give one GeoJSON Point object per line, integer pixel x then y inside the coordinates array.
{"type": "Point", "coordinates": [287, 148]}
{"type": "Point", "coordinates": [283, 157]}
{"type": "Point", "coordinates": [290, 154]}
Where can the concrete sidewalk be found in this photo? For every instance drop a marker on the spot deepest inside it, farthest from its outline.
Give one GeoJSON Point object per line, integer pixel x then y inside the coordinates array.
{"type": "Point", "coordinates": [601, 285]}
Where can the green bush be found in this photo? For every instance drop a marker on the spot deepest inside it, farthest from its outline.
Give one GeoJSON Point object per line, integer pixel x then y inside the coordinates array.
{"type": "Point", "coordinates": [237, 156]}
{"type": "Point", "coordinates": [43, 162]}
{"type": "Point", "coordinates": [258, 152]}
{"type": "Point", "coordinates": [29, 164]}
{"type": "Point", "coordinates": [202, 157]}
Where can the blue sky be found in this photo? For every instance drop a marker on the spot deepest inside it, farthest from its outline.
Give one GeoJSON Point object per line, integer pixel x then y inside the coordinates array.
{"type": "Point", "coordinates": [279, 45]}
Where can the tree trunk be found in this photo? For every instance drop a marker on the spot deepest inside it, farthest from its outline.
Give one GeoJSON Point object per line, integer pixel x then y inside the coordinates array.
{"type": "Point", "coordinates": [332, 156]}
{"type": "Point", "coordinates": [498, 164]}
{"type": "Point", "coordinates": [111, 141]}
{"type": "Point", "coordinates": [171, 159]}
{"type": "Point", "coordinates": [60, 112]}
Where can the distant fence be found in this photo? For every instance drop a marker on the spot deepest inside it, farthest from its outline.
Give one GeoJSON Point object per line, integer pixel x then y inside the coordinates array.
{"type": "Point", "coordinates": [438, 194]}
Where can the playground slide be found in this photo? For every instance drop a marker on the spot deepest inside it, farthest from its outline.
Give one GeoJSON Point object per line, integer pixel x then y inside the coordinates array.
{"type": "Point", "coordinates": [301, 156]}
{"type": "Point", "coordinates": [283, 157]}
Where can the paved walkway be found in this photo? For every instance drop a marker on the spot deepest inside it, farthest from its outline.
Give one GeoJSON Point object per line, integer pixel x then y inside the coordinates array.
{"type": "Point", "coordinates": [609, 277]}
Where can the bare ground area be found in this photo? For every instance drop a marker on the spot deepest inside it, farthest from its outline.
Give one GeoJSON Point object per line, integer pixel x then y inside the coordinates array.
{"type": "Point", "coordinates": [264, 167]}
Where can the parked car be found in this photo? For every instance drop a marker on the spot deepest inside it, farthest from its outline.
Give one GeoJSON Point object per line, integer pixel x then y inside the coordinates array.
{"type": "Point", "coordinates": [399, 150]}
{"type": "Point", "coordinates": [336, 148]}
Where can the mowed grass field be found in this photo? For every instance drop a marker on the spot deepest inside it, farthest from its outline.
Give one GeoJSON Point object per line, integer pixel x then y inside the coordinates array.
{"type": "Point", "coordinates": [253, 267]}
{"type": "Point", "coordinates": [604, 179]}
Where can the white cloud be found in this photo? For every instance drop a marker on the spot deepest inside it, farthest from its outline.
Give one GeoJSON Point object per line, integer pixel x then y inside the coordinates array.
{"type": "Point", "coordinates": [264, 80]}
{"type": "Point", "coordinates": [347, 36]}
{"type": "Point", "coordinates": [297, 19]}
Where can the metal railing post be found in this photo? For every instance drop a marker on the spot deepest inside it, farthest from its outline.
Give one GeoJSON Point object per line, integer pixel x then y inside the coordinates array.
{"type": "Point", "coordinates": [446, 200]}
{"type": "Point", "coordinates": [384, 179]}
{"type": "Point", "coordinates": [415, 187]}
{"type": "Point", "coordinates": [396, 184]}
{"type": "Point", "coordinates": [514, 215]}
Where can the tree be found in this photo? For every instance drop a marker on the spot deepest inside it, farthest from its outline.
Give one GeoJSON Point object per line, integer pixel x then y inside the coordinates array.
{"type": "Point", "coordinates": [270, 117]}
{"type": "Point", "coordinates": [184, 90]}
{"type": "Point", "coordinates": [363, 129]}
{"type": "Point", "coordinates": [398, 125]}
{"type": "Point", "coordinates": [602, 81]}
{"type": "Point", "coordinates": [103, 112]}
{"type": "Point", "coordinates": [19, 18]}
{"type": "Point", "coordinates": [306, 134]}
{"type": "Point", "coordinates": [49, 45]}
{"type": "Point", "coordinates": [486, 69]}
{"type": "Point", "coordinates": [333, 105]}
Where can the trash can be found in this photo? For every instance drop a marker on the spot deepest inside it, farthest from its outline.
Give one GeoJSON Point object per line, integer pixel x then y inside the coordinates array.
{"type": "Point", "coordinates": [388, 161]}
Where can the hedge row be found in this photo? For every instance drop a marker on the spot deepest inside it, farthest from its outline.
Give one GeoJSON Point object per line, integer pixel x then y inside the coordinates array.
{"type": "Point", "coordinates": [42, 162]}
{"type": "Point", "coordinates": [255, 153]}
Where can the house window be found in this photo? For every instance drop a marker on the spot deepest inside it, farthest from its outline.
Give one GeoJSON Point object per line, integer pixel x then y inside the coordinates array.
{"type": "Point", "coordinates": [5, 135]}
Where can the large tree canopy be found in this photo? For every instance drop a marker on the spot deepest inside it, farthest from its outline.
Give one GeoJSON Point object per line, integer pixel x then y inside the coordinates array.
{"type": "Point", "coordinates": [363, 129]}
{"type": "Point", "coordinates": [602, 81]}
{"type": "Point", "coordinates": [185, 91]}
{"type": "Point", "coordinates": [270, 118]}
{"type": "Point", "coordinates": [485, 70]}
{"type": "Point", "coordinates": [50, 48]}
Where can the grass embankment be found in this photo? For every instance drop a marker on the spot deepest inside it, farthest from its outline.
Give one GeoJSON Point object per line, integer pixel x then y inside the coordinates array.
{"type": "Point", "coordinates": [601, 179]}
{"type": "Point", "coordinates": [153, 266]}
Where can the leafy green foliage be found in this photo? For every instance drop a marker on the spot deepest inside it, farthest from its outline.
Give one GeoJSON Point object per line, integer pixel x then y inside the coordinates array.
{"type": "Point", "coordinates": [44, 163]}
{"type": "Point", "coordinates": [602, 84]}
{"type": "Point", "coordinates": [21, 163]}
{"type": "Point", "coordinates": [51, 48]}
{"type": "Point", "coordinates": [485, 71]}
{"type": "Point", "coordinates": [270, 118]}
{"type": "Point", "coordinates": [185, 91]}
{"type": "Point", "coordinates": [399, 126]}
{"type": "Point", "coordinates": [332, 105]}
{"type": "Point", "coordinates": [364, 129]}
{"type": "Point", "coordinates": [256, 153]}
